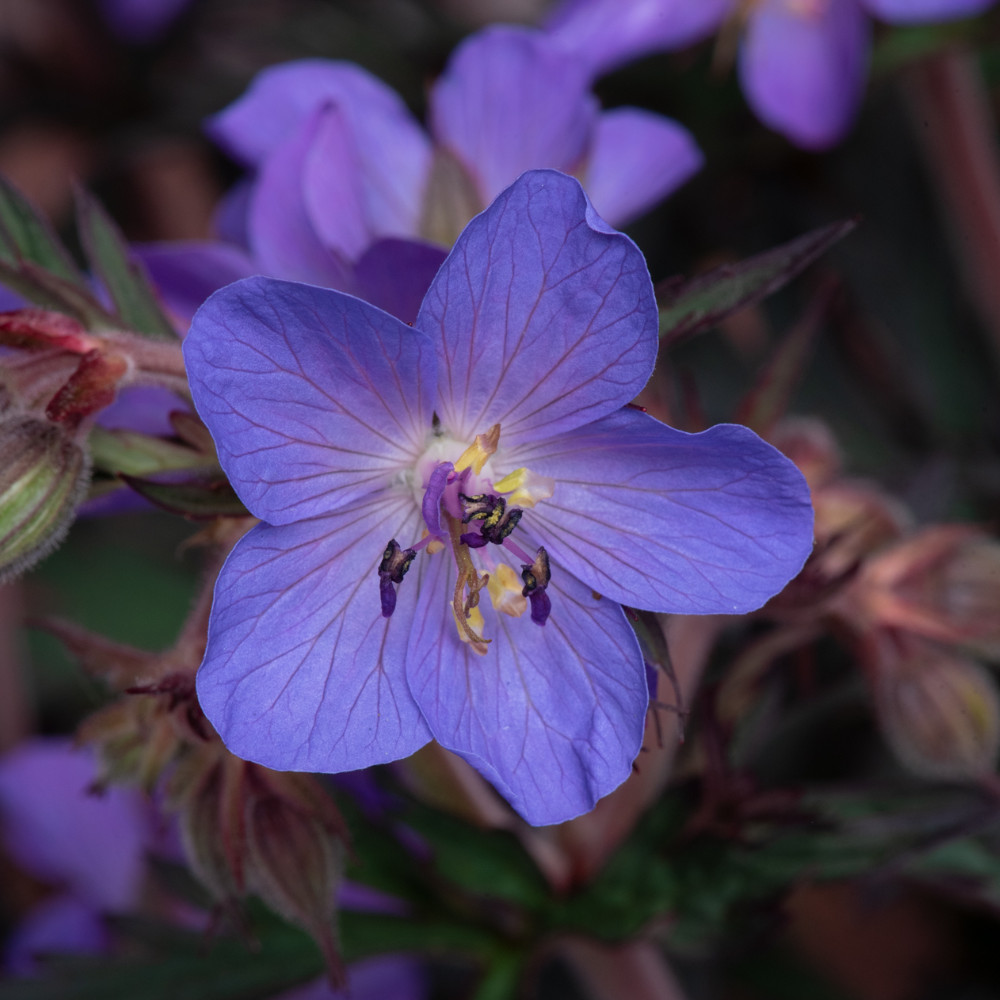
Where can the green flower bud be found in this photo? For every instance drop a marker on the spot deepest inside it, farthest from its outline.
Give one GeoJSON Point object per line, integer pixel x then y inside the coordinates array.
{"type": "Point", "coordinates": [940, 714]}
{"type": "Point", "coordinates": [42, 480]}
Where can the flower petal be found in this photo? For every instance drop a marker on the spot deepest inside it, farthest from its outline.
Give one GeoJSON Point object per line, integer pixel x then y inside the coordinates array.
{"type": "Point", "coordinates": [314, 398]}
{"type": "Point", "coordinates": [708, 523]}
{"type": "Point", "coordinates": [282, 97]}
{"type": "Point", "coordinates": [395, 275]}
{"type": "Point", "coordinates": [543, 315]}
{"type": "Point", "coordinates": [186, 272]}
{"type": "Point", "coordinates": [280, 226]}
{"type": "Point", "coordinates": [636, 159]}
{"type": "Point", "coordinates": [509, 101]}
{"type": "Point", "coordinates": [61, 833]}
{"type": "Point", "coordinates": [301, 671]}
{"type": "Point", "coordinates": [804, 72]}
{"type": "Point", "coordinates": [552, 715]}
{"type": "Point", "coordinates": [608, 33]}
{"type": "Point", "coordinates": [911, 11]}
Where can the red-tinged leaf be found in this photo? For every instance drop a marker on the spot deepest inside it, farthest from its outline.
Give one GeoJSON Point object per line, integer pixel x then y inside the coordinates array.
{"type": "Point", "coordinates": [692, 306]}
{"type": "Point", "coordinates": [36, 328]}
{"type": "Point", "coordinates": [199, 496]}
{"type": "Point", "coordinates": [768, 400]}
{"type": "Point", "coordinates": [90, 388]}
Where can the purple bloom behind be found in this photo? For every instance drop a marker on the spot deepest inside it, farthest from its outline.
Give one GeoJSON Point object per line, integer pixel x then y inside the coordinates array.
{"type": "Point", "coordinates": [803, 63]}
{"type": "Point", "coordinates": [420, 488]}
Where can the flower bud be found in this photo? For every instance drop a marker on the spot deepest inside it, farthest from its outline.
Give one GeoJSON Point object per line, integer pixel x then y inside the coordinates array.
{"type": "Point", "coordinates": [943, 583]}
{"type": "Point", "coordinates": [42, 480]}
{"type": "Point", "coordinates": [810, 444]}
{"type": "Point", "coordinates": [940, 714]}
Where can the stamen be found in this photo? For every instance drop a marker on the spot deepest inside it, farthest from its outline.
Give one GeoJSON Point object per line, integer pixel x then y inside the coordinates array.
{"type": "Point", "coordinates": [498, 520]}
{"type": "Point", "coordinates": [505, 592]}
{"type": "Point", "coordinates": [468, 579]}
{"type": "Point", "coordinates": [479, 451]}
{"type": "Point", "coordinates": [536, 576]}
{"type": "Point", "coordinates": [525, 487]}
{"type": "Point", "coordinates": [391, 570]}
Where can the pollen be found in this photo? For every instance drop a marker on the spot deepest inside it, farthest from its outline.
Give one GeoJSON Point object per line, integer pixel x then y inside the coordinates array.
{"type": "Point", "coordinates": [475, 456]}
{"type": "Point", "coordinates": [525, 488]}
{"type": "Point", "coordinates": [504, 588]}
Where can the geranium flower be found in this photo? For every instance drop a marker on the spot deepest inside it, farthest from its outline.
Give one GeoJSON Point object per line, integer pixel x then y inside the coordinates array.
{"type": "Point", "coordinates": [803, 63]}
{"type": "Point", "coordinates": [453, 514]}
{"type": "Point", "coordinates": [340, 163]}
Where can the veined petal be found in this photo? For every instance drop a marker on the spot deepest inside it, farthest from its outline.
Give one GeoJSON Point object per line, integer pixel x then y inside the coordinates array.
{"type": "Point", "coordinates": [636, 159]}
{"type": "Point", "coordinates": [314, 398]}
{"type": "Point", "coordinates": [710, 523]}
{"type": "Point", "coordinates": [280, 226]}
{"type": "Point", "coordinates": [282, 97]}
{"type": "Point", "coordinates": [301, 671]}
{"type": "Point", "coordinates": [911, 11]}
{"type": "Point", "coordinates": [608, 33]}
{"type": "Point", "coordinates": [803, 72]}
{"type": "Point", "coordinates": [543, 315]}
{"type": "Point", "coordinates": [509, 101]}
{"type": "Point", "coordinates": [552, 715]}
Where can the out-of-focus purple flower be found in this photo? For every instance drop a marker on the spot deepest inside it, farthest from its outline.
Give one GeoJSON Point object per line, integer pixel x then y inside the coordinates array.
{"type": "Point", "coordinates": [454, 514]}
{"type": "Point", "coordinates": [341, 164]}
{"type": "Point", "coordinates": [391, 978]}
{"type": "Point", "coordinates": [91, 848]}
{"type": "Point", "coordinates": [803, 63]}
{"type": "Point", "coordinates": [141, 21]}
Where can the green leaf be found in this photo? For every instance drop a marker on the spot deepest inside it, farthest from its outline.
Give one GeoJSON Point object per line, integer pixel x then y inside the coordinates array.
{"type": "Point", "coordinates": [365, 934]}
{"type": "Point", "coordinates": [191, 967]}
{"type": "Point", "coordinates": [501, 979]}
{"type": "Point", "coordinates": [51, 291]}
{"type": "Point", "coordinates": [25, 236]}
{"type": "Point", "coordinates": [489, 863]}
{"type": "Point", "coordinates": [123, 277]}
{"type": "Point", "coordinates": [200, 496]}
{"type": "Point", "coordinates": [689, 306]}
{"type": "Point", "coordinates": [120, 451]}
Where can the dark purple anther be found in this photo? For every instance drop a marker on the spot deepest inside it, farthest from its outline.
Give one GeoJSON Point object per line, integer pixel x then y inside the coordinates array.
{"type": "Point", "coordinates": [391, 570]}
{"type": "Point", "coordinates": [497, 521]}
{"type": "Point", "coordinates": [536, 578]}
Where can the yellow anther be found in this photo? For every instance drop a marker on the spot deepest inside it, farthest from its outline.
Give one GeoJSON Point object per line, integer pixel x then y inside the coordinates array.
{"type": "Point", "coordinates": [479, 451]}
{"type": "Point", "coordinates": [434, 545]}
{"type": "Point", "coordinates": [505, 587]}
{"type": "Point", "coordinates": [525, 487]}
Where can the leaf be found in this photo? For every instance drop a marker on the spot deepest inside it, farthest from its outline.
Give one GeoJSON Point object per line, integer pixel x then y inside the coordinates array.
{"type": "Point", "coordinates": [135, 454]}
{"type": "Point", "coordinates": [123, 277]}
{"type": "Point", "coordinates": [51, 291]}
{"type": "Point", "coordinates": [197, 496]}
{"type": "Point", "coordinates": [690, 306]}
{"type": "Point", "coordinates": [26, 236]}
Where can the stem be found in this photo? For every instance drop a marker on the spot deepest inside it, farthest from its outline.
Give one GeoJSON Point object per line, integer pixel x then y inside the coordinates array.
{"type": "Point", "coordinates": [952, 116]}
{"type": "Point", "coordinates": [634, 971]}
{"type": "Point", "coordinates": [158, 361]}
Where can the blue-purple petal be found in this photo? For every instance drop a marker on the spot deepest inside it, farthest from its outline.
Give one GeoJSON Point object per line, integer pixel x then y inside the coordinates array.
{"type": "Point", "coordinates": [280, 227]}
{"type": "Point", "coordinates": [186, 272]}
{"type": "Point", "coordinates": [803, 72]}
{"type": "Point", "coordinates": [509, 101]}
{"type": "Point", "coordinates": [301, 671]}
{"type": "Point", "coordinates": [637, 158]}
{"type": "Point", "coordinates": [544, 316]}
{"type": "Point", "coordinates": [314, 398]}
{"type": "Point", "coordinates": [710, 523]}
{"type": "Point", "coordinates": [552, 715]}
{"type": "Point", "coordinates": [608, 33]}
{"type": "Point", "coordinates": [59, 925]}
{"type": "Point", "coordinates": [395, 274]}
{"type": "Point", "coordinates": [913, 11]}
{"type": "Point", "coordinates": [388, 977]}
{"type": "Point", "coordinates": [56, 829]}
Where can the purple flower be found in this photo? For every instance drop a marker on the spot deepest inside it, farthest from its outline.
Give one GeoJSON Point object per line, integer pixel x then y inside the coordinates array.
{"type": "Point", "coordinates": [453, 514]}
{"type": "Point", "coordinates": [803, 63]}
{"type": "Point", "coordinates": [341, 164]}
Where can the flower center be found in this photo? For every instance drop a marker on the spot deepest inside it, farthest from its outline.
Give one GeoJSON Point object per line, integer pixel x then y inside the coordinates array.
{"type": "Point", "coordinates": [466, 511]}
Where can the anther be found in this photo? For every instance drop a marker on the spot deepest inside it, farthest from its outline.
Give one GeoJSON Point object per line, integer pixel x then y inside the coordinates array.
{"type": "Point", "coordinates": [391, 570]}
{"type": "Point", "coordinates": [498, 520]}
{"type": "Point", "coordinates": [536, 576]}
